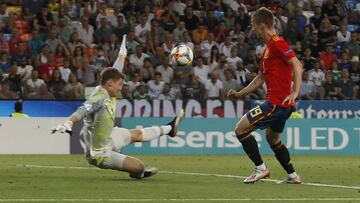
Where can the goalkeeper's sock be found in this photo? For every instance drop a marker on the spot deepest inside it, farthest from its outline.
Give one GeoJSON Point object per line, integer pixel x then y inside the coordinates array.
{"type": "Point", "coordinates": [250, 146]}
{"type": "Point", "coordinates": [150, 133]}
{"type": "Point", "coordinates": [283, 156]}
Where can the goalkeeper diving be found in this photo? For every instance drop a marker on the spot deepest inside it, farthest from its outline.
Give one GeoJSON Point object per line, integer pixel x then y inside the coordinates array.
{"type": "Point", "coordinates": [104, 141]}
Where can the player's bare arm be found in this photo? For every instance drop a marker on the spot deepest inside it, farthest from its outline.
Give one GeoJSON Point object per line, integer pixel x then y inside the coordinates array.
{"type": "Point", "coordinates": [255, 84]}
{"type": "Point", "coordinates": [297, 69]}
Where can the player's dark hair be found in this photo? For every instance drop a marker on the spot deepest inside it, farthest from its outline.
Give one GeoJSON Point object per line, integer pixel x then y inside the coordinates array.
{"type": "Point", "coordinates": [264, 15]}
{"type": "Point", "coordinates": [111, 74]}
{"type": "Point", "coordinates": [18, 106]}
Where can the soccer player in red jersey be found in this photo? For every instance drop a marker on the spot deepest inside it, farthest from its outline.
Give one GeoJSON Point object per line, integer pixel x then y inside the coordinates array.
{"type": "Point", "coordinates": [278, 69]}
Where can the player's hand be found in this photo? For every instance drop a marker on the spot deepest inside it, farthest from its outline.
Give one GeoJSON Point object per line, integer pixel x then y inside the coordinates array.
{"type": "Point", "coordinates": [290, 99]}
{"type": "Point", "coordinates": [123, 49]}
{"type": "Point", "coordinates": [63, 128]}
{"type": "Point", "coordinates": [232, 93]}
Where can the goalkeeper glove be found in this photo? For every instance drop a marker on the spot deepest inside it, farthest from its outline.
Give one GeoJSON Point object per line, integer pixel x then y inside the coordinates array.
{"type": "Point", "coordinates": [63, 128]}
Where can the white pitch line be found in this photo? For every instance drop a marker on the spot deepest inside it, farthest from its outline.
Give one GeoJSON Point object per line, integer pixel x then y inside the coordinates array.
{"type": "Point", "coordinates": [179, 200]}
{"type": "Point", "coordinates": [193, 174]}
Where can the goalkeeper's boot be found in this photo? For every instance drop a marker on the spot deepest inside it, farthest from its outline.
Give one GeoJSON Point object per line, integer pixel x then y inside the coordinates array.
{"type": "Point", "coordinates": [150, 171]}
{"type": "Point", "coordinates": [257, 175]}
{"type": "Point", "coordinates": [147, 173]}
{"type": "Point", "coordinates": [288, 180]}
{"type": "Point", "coordinates": [175, 123]}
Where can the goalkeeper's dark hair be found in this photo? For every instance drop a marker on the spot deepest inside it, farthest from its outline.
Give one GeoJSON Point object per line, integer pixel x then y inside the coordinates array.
{"type": "Point", "coordinates": [111, 74]}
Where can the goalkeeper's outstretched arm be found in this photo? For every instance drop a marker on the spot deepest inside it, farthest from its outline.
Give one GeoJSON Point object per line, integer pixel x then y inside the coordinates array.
{"type": "Point", "coordinates": [84, 110]}
{"type": "Point", "coordinates": [120, 60]}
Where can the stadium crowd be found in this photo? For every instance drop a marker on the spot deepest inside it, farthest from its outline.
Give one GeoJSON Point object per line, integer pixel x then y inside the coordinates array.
{"type": "Point", "coordinates": [56, 49]}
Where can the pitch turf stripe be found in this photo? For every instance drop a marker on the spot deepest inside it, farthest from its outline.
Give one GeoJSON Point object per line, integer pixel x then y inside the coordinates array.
{"type": "Point", "coordinates": [193, 174]}
{"type": "Point", "coordinates": [179, 200]}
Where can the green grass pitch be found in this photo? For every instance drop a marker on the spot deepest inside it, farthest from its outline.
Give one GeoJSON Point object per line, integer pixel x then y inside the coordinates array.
{"type": "Point", "coordinates": [69, 178]}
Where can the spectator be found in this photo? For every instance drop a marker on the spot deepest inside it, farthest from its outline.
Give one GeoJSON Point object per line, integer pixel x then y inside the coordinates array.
{"type": "Point", "coordinates": [156, 86]}
{"type": "Point", "coordinates": [22, 53]}
{"type": "Point", "coordinates": [166, 70]}
{"type": "Point", "coordinates": [214, 87]}
{"type": "Point", "coordinates": [24, 69]}
{"type": "Point", "coordinates": [44, 18]}
{"type": "Point", "coordinates": [35, 43]}
{"type": "Point", "coordinates": [142, 29]}
{"type": "Point", "coordinates": [87, 74]}
{"type": "Point", "coordinates": [220, 32]}
{"type": "Point", "coordinates": [166, 93]}
{"type": "Point", "coordinates": [345, 62]}
{"type": "Point", "coordinates": [64, 30]}
{"type": "Point", "coordinates": [200, 34]}
{"type": "Point", "coordinates": [207, 45]}
{"type": "Point", "coordinates": [316, 19]}
{"type": "Point", "coordinates": [187, 40]}
{"type": "Point", "coordinates": [229, 82]}
{"type": "Point", "coordinates": [210, 20]}
{"type": "Point", "coordinates": [65, 69]}
{"type": "Point", "coordinates": [214, 59]}
{"type": "Point", "coordinates": [315, 46]}
{"type": "Point", "coordinates": [157, 58]}
{"type": "Point", "coordinates": [74, 89]}
{"type": "Point", "coordinates": [326, 33]}
{"type": "Point", "coordinates": [179, 7]}
{"type": "Point", "coordinates": [134, 82]}
{"type": "Point", "coordinates": [291, 33]}
{"type": "Point", "coordinates": [354, 44]}
{"type": "Point", "coordinates": [147, 72]}
{"type": "Point", "coordinates": [86, 31]}
{"type": "Point", "coordinates": [77, 58]}
{"type": "Point", "coordinates": [6, 92]}
{"type": "Point", "coordinates": [347, 89]}
{"type": "Point", "coordinates": [308, 61]}
{"type": "Point", "coordinates": [342, 34]}
{"type": "Point", "coordinates": [4, 62]}
{"type": "Point", "coordinates": [330, 89]}
{"type": "Point", "coordinates": [74, 42]}
{"type": "Point", "coordinates": [4, 46]}
{"type": "Point", "coordinates": [33, 84]}
{"type": "Point", "coordinates": [355, 70]}
{"type": "Point", "coordinates": [241, 74]}
{"type": "Point", "coordinates": [43, 93]}
{"type": "Point", "coordinates": [242, 46]}
{"type": "Point", "coordinates": [178, 32]}
{"type": "Point", "coordinates": [137, 59]}
{"type": "Point", "coordinates": [157, 33]}
{"type": "Point", "coordinates": [229, 19]}
{"type": "Point", "coordinates": [126, 93]}
{"type": "Point", "coordinates": [103, 32]}
{"type": "Point", "coordinates": [122, 28]}
{"type": "Point", "coordinates": [329, 9]}
{"type": "Point", "coordinates": [14, 78]}
{"type": "Point", "coordinates": [327, 57]}
{"type": "Point", "coordinates": [44, 56]}
{"type": "Point", "coordinates": [201, 71]}
{"type": "Point", "coordinates": [191, 21]}
{"type": "Point", "coordinates": [142, 92]}
{"type": "Point", "coordinates": [243, 18]}
{"type": "Point", "coordinates": [233, 59]}
{"type": "Point", "coordinates": [280, 20]}
{"type": "Point", "coordinates": [57, 85]}
{"type": "Point", "coordinates": [335, 72]}
{"type": "Point", "coordinates": [317, 76]}
{"type": "Point", "coordinates": [307, 90]}
{"type": "Point", "coordinates": [47, 68]}
{"type": "Point", "coordinates": [226, 46]}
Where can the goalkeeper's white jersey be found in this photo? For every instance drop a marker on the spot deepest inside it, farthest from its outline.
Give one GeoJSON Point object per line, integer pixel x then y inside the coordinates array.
{"type": "Point", "coordinates": [98, 113]}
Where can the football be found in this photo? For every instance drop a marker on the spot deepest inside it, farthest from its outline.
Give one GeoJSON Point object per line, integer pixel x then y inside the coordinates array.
{"type": "Point", "coordinates": [181, 55]}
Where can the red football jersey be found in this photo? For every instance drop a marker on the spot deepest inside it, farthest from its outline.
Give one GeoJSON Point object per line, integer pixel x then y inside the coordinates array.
{"type": "Point", "coordinates": [277, 72]}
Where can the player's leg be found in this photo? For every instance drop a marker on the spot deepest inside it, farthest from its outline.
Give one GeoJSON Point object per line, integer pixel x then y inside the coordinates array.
{"type": "Point", "coordinates": [123, 137]}
{"type": "Point", "coordinates": [273, 137]}
{"type": "Point", "coordinates": [121, 162]}
{"type": "Point", "coordinates": [243, 132]}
